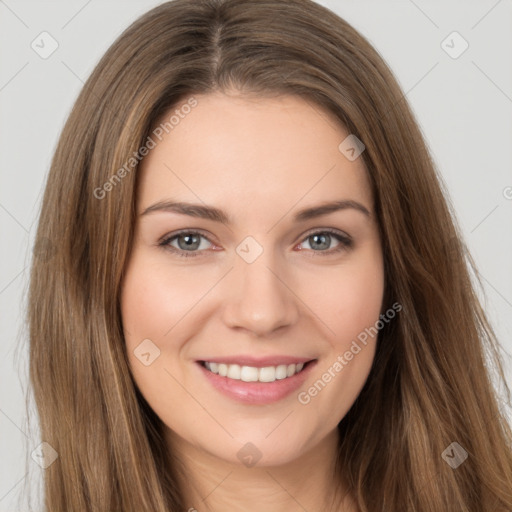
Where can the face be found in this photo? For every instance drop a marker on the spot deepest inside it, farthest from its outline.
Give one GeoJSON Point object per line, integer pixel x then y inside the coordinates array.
{"type": "Point", "coordinates": [243, 305]}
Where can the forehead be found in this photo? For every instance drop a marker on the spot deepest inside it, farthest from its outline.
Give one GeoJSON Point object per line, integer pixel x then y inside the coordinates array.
{"type": "Point", "coordinates": [266, 153]}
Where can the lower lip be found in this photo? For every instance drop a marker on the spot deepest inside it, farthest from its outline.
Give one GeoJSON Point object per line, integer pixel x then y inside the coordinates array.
{"type": "Point", "coordinates": [257, 392]}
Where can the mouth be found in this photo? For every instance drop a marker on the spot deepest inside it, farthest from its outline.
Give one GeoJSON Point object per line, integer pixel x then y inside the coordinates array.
{"type": "Point", "coordinates": [254, 373]}
{"type": "Point", "coordinates": [256, 382]}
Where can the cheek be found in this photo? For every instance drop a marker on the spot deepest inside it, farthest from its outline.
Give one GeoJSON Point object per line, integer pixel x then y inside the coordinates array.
{"type": "Point", "coordinates": [352, 301]}
{"type": "Point", "coordinates": [351, 309]}
{"type": "Point", "coordinates": [361, 302]}
{"type": "Point", "coordinates": [152, 303]}
{"type": "Point", "coordinates": [154, 300]}
{"type": "Point", "coordinates": [158, 305]}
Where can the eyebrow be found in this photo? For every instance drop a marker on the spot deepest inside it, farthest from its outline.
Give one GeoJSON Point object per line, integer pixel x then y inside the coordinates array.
{"type": "Point", "coordinates": [211, 213]}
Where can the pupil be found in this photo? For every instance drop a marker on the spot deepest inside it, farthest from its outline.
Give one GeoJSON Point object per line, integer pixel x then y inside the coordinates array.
{"type": "Point", "coordinates": [191, 241]}
{"type": "Point", "coordinates": [325, 238]}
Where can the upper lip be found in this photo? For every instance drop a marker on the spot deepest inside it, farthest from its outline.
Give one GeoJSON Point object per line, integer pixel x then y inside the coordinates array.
{"type": "Point", "coordinates": [258, 362]}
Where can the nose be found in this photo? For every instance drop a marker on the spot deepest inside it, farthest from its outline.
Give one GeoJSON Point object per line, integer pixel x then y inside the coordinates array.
{"type": "Point", "coordinates": [261, 301]}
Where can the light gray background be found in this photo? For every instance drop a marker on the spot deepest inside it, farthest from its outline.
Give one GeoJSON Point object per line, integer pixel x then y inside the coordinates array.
{"type": "Point", "coordinates": [463, 105]}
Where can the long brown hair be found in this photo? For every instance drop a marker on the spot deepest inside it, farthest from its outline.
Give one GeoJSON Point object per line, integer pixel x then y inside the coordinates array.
{"type": "Point", "coordinates": [430, 384]}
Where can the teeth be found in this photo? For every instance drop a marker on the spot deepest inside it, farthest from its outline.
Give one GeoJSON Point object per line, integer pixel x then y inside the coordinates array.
{"type": "Point", "coordinates": [234, 371]}
{"type": "Point", "coordinates": [267, 374]}
{"type": "Point", "coordinates": [253, 374]}
{"type": "Point", "coordinates": [249, 374]}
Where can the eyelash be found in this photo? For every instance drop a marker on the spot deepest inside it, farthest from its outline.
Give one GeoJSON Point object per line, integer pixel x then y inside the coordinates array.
{"type": "Point", "coordinates": [345, 242]}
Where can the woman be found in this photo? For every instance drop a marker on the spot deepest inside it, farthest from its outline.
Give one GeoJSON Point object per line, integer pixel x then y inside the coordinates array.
{"type": "Point", "coordinates": [259, 298]}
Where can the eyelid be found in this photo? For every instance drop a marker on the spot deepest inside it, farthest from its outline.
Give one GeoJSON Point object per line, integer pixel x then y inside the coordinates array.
{"type": "Point", "coordinates": [333, 231]}
{"type": "Point", "coordinates": [345, 241]}
{"type": "Point", "coordinates": [190, 231]}
{"type": "Point", "coordinates": [166, 239]}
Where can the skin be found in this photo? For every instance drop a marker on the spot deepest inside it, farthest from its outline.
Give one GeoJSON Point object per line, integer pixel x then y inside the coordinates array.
{"type": "Point", "coordinates": [260, 160]}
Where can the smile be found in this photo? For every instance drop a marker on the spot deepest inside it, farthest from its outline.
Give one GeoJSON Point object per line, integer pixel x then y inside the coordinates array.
{"type": "Point", "coordinates": [256, 380]}
{"type": "Point", "coordinates": [252, 373]}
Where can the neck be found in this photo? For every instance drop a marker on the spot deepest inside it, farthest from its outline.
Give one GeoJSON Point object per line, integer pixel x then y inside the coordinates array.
{"type": "Point", "coordinates": [306, 483]}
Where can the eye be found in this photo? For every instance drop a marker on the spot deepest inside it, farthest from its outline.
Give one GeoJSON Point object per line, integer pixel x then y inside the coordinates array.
{"type": "Point", "coordinates": [187, 242]}
{"type": "Point", "coordinates": [193, 243]}
{"type": "Point", "coordinates": [320, 241]}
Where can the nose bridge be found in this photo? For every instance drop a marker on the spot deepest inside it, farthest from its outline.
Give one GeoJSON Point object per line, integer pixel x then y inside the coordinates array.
{"type": "Point", "coordinates": [261, 301]}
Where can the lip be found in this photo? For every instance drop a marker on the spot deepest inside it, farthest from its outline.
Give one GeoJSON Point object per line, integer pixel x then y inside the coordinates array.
{"type": "Point", "coordinates": [257, 362]}
{"type": "Point", "coordinates": [257, 393]}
